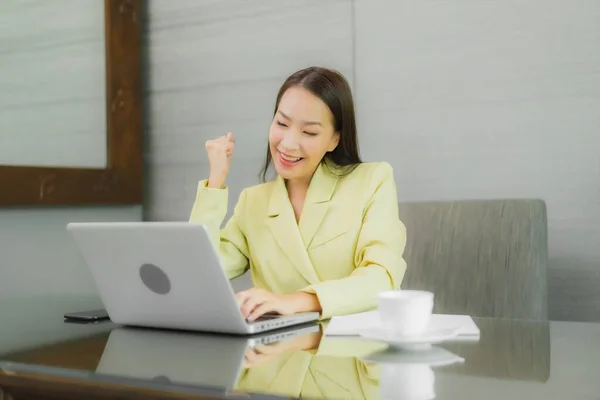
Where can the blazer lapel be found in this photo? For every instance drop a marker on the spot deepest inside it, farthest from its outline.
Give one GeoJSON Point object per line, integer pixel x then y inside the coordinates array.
{"type": "Point", "coordinates": [282, 224]}
{"type": "Point", "coordinates": [316, 204]}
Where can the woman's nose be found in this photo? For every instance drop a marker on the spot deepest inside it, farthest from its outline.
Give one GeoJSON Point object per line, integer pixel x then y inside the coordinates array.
{"type": "Point", "coordinates": [290, 141]}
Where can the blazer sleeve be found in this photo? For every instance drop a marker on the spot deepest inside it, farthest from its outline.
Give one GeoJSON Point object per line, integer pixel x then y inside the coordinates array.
{"type": "Point", "coordinates": [378, 259]}
{"type": "Point", "coordinates": [210, 208]}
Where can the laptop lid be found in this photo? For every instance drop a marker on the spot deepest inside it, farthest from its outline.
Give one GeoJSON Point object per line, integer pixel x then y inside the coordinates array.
{"type": "Point", "coordinates": [159, 274]}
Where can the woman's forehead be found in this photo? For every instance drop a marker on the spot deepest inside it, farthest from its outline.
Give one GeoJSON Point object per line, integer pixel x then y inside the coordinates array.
{"type": "Point", "coordinates": [300, 105]}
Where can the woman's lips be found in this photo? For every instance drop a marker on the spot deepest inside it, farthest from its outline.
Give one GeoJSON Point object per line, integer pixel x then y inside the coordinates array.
{"type": "Point", "coordinates": [288, 160]}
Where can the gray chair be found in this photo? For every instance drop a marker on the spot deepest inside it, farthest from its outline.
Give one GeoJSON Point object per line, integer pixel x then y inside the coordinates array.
{"type": "Point", "coordinates": [485, 258]}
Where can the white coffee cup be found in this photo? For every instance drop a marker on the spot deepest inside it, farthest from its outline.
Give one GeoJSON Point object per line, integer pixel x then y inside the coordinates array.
{"type": "Point", "coordinates": [407, 381]}
{"type": "Point", "coordinates": [405, 312]}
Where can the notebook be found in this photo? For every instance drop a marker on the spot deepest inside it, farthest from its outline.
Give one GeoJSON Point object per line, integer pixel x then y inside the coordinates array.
{"type": "Point", "coordinates": [350, 325]}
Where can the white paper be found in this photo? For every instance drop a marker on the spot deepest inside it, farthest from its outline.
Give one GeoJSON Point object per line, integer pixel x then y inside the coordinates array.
{"type": "Point", "coordinates": [351, 325]}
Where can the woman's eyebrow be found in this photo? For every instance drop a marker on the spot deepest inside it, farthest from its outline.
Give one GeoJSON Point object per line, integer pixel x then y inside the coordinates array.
{"type": "Point", "coordinates": [303, 122]}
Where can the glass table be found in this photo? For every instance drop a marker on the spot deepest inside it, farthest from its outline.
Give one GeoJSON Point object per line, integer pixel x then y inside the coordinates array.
{"type": "Point", "coordinates": [42, 356]}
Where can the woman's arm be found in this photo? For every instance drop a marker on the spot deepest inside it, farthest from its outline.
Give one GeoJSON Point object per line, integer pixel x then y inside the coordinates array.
{"type": "Point", "coordinates": [379, 262]}
{"type": "Point", "coordinates": [210, 208]}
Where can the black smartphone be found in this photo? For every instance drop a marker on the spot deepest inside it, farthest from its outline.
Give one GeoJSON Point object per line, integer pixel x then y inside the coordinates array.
{"type": "Point", "coordinates": [90, 315]}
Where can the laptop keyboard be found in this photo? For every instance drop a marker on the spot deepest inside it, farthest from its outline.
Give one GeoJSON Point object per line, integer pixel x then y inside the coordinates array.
{"type": "Point", "coordinates": [266, 317]}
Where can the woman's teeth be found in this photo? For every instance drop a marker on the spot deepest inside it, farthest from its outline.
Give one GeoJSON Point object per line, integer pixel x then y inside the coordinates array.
{"type": "Point", "coordinates": [291, 159]}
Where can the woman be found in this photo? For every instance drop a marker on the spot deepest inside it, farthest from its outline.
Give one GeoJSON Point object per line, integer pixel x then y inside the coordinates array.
{"type": "Point", "coordinates": [324, 235]}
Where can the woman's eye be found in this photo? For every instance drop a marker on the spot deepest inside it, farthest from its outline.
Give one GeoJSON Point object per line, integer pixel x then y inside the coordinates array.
{"type": "Point", "coordinates": [281, 124]}
{"type": "Point", "coordinates": [311, 133]}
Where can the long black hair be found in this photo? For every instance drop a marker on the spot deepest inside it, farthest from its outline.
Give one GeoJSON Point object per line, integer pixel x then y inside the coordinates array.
{"type": "Point", "coordinates": [333, 89]}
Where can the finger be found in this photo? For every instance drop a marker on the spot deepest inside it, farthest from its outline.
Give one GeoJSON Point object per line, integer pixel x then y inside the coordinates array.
{"type": "Point", "coordinates": [244, 295]}
{"type": "Point", "coordinates": [251, 354]}
{"type": "Point", "coordinates": [261, 309]}
{"type": "Point", "coordinates": [241, 297]}
{"type": "Point", "coordinates": [266, 348]}
{"type": "Point", "coordinates": [251, 291]}
{"type": "Point", "coordinates": [251, 304]}
{"type": "Point", "coordinates": [224, 147]}
{"type": "Point", "coordinates": [255, 359]}
{"type": "Point", "coordinates": [250, 358]}
{"type": "Point", "coordinates": [226, 138]}
{"type": "Point", "coordinates": [247, 293]}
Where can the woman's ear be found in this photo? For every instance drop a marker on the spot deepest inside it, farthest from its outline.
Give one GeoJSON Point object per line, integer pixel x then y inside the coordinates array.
{"type": "Point", "coordinates": [335, 140]}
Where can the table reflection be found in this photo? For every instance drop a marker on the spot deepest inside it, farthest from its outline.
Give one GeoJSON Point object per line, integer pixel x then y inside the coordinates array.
{"type": "Point", "coordinates": [296, 362]}
{"type": "Point", "coordinates": [304, 364]}
{"type": "Point", "coordinates": [507, 349]}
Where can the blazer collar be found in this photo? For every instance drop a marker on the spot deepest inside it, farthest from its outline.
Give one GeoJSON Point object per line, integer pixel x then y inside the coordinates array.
{"type": "Point", "coordinates": [320, 190]}
{"type": "Point", "coordinates": [294, 239]}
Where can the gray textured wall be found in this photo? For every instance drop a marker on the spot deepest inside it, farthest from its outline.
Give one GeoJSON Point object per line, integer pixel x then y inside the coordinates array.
{"type": "Point", "coordinates": [495, 99]}
{"type": "Point", "coordinates": [51, 113]}
{"type": "Point", "coordinates": [214, 67]}
{"type": "Point", "coordinates": [52, 83]}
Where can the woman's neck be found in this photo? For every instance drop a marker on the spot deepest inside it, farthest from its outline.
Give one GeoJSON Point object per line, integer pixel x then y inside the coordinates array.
{"type": "Point", "coordinates": [297, 191]}
{"type": "Point", "coordinates": [297, 187]}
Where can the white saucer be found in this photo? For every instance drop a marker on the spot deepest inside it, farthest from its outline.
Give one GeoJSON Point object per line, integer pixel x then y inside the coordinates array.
{"type": "Point", "coordinates": [431, 336]}
{"type": "Point", "coordinates": [432, 357]}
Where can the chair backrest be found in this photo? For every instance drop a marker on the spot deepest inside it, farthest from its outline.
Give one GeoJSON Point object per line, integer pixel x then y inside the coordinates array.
{"type": "Point", "coordinates": [484, 258]}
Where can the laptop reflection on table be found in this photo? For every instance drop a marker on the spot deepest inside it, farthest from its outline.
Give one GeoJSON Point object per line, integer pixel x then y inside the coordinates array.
{"type": "Point", "coordinates": [183, 358]}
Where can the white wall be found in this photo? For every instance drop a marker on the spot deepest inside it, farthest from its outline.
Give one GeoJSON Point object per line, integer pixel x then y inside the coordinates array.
{"type": "Point", "coordinates": [465, 99]}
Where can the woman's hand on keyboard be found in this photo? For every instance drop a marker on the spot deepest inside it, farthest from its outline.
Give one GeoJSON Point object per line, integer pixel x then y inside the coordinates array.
{"type": "Point", "coordinates": [256, 302]}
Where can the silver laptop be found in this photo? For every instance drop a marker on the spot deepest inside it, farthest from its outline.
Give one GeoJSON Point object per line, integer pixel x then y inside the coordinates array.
{"type": "Point", "coordinates": [166, 275]}
{"type": "Point", "coordinates": [188, 359]}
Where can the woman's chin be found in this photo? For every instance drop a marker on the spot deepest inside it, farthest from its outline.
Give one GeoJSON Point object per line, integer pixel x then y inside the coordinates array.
{"type": "Point", "coordinates": [285, 173]}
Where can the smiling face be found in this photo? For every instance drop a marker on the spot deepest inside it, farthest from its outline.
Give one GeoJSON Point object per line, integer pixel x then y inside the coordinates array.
{"type": "Point", "coordinates": [301, 133]}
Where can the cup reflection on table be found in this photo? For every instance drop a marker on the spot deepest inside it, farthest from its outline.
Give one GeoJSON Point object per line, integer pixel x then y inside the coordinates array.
{"type": "Point", "coordinates": [407, 381]}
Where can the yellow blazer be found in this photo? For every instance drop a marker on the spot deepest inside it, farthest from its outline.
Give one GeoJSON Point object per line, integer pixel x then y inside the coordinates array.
{"type": "Point", "coordinates": [336, 370]}
{"type": "Point", "coordinates": [346, 248]}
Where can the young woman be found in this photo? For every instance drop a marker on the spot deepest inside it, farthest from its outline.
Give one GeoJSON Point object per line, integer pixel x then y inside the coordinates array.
{"type": "Point", "coordinates": [324, 235]}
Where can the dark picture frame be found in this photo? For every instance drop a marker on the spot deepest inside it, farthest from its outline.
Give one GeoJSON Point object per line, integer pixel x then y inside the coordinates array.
{"type": "Point", "coordinates": [121, 181]}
